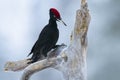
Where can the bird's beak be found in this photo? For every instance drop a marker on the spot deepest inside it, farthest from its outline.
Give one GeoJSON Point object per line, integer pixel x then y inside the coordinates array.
{"type": "Point", "coordinates": [63, 22]}
{"type": "Point", "coordinates": [60, 20]}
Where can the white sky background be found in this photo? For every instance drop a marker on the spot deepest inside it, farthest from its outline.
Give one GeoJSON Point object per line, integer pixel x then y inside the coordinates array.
{"type": "Point", "coordinates": [22, 20]}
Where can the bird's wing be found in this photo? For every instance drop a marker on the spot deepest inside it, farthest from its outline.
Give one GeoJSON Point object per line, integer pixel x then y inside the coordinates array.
{"type": "Point", "coordinates": [44, 38]}
{"type": "Point", "coordinates": [33, 48]}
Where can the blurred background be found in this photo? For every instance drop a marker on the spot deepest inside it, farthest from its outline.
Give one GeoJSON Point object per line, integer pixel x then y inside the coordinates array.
{"type": "Point", "coordinates": [22, 20]}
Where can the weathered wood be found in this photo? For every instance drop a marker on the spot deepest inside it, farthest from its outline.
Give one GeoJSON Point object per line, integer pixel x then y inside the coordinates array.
{"type": "Point", "coordinates": [22, 64]}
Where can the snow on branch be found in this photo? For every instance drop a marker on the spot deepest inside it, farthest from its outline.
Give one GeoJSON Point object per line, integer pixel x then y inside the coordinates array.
{"type": "Point", "coordinates": [71, 60]}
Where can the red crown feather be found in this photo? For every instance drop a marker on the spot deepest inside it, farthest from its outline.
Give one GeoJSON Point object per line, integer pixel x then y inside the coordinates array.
{"type": "Point", "coordinates": [56, 13]}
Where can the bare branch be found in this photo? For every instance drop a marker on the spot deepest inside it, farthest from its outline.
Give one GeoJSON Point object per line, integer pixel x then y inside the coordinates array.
{"type": "Point", "coordinates": [40, 65]}
{"type": "Point", "coordinates": [16, 65]}
{"type": "Point", "coordinates": [43, 64]}
{"type": "Point", "coordinates": [22, 64]}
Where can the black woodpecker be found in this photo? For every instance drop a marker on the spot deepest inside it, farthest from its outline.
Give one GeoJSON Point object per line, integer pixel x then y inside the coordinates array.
{"type": "Point", "coordinates": [48, 37]}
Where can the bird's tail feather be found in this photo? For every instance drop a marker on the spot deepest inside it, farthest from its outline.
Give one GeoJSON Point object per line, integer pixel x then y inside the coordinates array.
{"type": "Point", "coordinates": [29, 54]}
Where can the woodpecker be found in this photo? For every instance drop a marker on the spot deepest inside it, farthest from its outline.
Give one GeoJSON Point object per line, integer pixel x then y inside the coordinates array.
{"type": "Point", "coordinates": [48, 37]}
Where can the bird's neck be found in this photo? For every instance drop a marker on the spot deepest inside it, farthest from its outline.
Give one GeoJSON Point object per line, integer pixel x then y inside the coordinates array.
{"type": "Point", "coordinates": [52, 22]}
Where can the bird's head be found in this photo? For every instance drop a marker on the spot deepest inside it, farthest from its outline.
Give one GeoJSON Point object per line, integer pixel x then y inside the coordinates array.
{"type": "Point", "coordinates": [55, 15]}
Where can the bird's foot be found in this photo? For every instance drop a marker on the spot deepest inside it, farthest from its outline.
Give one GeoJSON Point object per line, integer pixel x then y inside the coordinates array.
{"type": "Point", "coordinates": [56, 46]}
{"type": "Point", "coordinates": [32, 61]}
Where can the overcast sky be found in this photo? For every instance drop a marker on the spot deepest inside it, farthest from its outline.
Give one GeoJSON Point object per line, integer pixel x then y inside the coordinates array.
{"type": "Point", "coordinates": [22, 20]}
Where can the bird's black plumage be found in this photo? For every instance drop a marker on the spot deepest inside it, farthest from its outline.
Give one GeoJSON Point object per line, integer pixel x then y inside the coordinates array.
{"type": "Point", "coordinates": [47, 39]}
